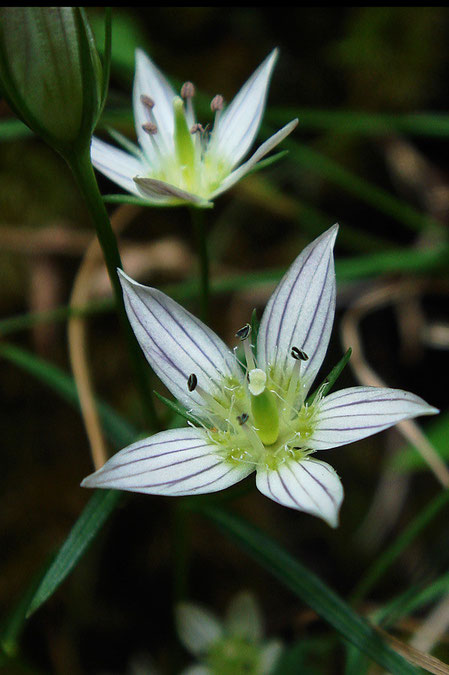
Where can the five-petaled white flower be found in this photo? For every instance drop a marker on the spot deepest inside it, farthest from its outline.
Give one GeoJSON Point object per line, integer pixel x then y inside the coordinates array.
{"type": "Point", "coordinates": [179, 161]}
{"type": "Point", "coordinates": [255, 419]}
{"type": "Point", "coordinates": [234, 646]}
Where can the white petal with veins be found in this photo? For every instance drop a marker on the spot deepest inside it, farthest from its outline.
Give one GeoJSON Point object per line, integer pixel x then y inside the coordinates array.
{"type": "Point", "coordinates": [310, 485]}
{"type": "Point", "coordinates": [300, 313]}
{"type": "Point", "coordinates": [351, 414]}
{"type": "Point", "coordinates": [238, 124]}
{"type": "Point", "coordinates": [174, 462]}
{"type": "Point", "coordinates": [176, 343]}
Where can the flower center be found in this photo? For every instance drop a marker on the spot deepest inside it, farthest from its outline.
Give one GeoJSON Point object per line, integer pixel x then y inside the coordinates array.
{"type": "Point", "coordinates": [194, 165]}
{"type": "Point", "coordinates": [260, 419]}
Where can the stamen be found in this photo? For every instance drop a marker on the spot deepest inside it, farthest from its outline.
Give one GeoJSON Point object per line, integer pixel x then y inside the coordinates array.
{"type": "Point", "coordinates": [188, 90]}
{"type": "Point", "coordinates": [192, 382]}
{"type": "Point", "coordinates": [217, 103]}
{"type": "Point", "coordinates": [150, 128]}
{"type": "Point", "coordinates": [216, 106]}
{"type": "Point", "coordinates": [147, 101]}
{"type": "Point", "coordinates": [243, 334]}
{"type": "Point", "coordinates": [241, 419]}
{"type": "Point", "coordinates": [299, 356]}
{"type": "Point", "coordinates": [197, 128]}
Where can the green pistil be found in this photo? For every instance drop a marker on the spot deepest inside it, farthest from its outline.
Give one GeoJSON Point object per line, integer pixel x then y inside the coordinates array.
{"type": "Point", "coordinates": [185, 148]}
{"type": "Point", "coordinates": [265, 416]}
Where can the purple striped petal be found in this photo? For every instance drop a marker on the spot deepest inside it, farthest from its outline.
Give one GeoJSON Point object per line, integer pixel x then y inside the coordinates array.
{"type": "Point", "coordinates": [300, 313]}
{"type": "Point", "coordinates": [263, 150]}
{"type": "Point", "coordinates": [197, 628]}
{"type": "Point", "coordinates": [174, 462]}
{"type": "Point", "coordinates": [238, 124]}
{"type": "Point", "coordinates": [149, 81]}
{"type": "Point", "coordinates": [162, 193]}
{"type": "Point", "coordinates": [119, 166]}
{"type": "Point", "coordinates": [311, 486]}
{"type": "Point", "coordinates": [177, 344]}
{"type": "Point", "coordinates": [358, 412]}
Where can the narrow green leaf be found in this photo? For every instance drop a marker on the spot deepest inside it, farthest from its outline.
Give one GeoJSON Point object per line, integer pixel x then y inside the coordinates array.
{"type": "Point", "coordinates": [92, 519]}
{"type": "Point", "coordinates": [178, 409]}
{"type": "Point", "coordinates": [307, 586]}
{"type": "Point", "coordinates": [383, 563]}
{"type": "Point", "coordinates": [408, 459]}
{"type": "Point", "coordinates": [361, 188]}
{"type": "Point", "coordinates": [118, 430]}
{"type": "Point", "coordinates": [356, 123]}
{"type": "Point", "coordinates": [331, 379]}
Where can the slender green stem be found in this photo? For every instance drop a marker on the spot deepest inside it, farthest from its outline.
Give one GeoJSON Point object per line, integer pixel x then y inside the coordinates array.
{"type": "Point", "coordinates": [198, 219]}
{"type": "Point", "coordinates": [81, 166]}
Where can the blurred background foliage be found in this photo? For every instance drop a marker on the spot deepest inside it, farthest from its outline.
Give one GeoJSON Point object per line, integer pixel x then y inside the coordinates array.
{"type": "Point", "coordinates": [369, 86]}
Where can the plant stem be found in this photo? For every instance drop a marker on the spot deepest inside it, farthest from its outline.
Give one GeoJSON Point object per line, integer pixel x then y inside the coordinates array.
{"type": "Point", "coordinates": [198, 221]}
{"type": "Point", "coordinates": [82, 169]}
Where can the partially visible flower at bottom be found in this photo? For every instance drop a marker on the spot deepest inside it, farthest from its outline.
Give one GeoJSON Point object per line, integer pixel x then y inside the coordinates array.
{"type": "Point", "coordinates": [254, 418]}
{"type": "Point", "coordinates": [234, 646]}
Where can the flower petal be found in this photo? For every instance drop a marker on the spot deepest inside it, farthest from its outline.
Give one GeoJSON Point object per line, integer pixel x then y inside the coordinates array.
{"type": "Point", "coordinates": [176, 343]}
{"type": "Point", "coordinates": [243, 618]}
{"type": "Point", "coordinates": [263, 150]}
{"type": "Point", "coordinates": [119, 166]}
{"type": "Point", "coordinates": [358, 412]}
{"type": "Point", "coordinates": [174, 462]}
{"type": "Point", "coordinates": [196, 669]}
{"type": "Point", "coordinates": [149, 81]}
{"type": "Point", "coordinates": [238, 124]}
{"type": "Point", "coordinates": [310, 485]}
{"type": "Point", "coordinates": [162, 193]}
{"type": "Point", "coordinates": [197, 628]}
{"type": "Point", "coordinates": [300, 313]}
{"type": "Point", "coordinates": [269, 657]}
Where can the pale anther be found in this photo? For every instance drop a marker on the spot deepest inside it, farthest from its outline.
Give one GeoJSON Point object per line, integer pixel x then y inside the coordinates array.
{"type": "Point", "coordinates": [188, 90]}
{"type": "Point", "coordinates": [150, 128]}
{"type": "Point", "coordinates": [241, 419]}
{"type": "Point", "coordinates": [192, 382]}
{"type": "Point", "coordinates": [217, 103]}
{"type": "Point", "coordinates": [298, 354]}
{"type": "Point", "coordinates": [243, 332]}
{"type": "Point", "coordinates": [147, 101]}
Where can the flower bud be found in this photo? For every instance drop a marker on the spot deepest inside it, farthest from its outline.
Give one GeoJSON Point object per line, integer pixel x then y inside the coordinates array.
{"type": "Point", "coordinates": [50, 72]}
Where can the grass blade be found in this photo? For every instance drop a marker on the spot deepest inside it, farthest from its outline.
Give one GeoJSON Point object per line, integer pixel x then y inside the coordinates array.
{"type": "Point", "coordinates": [310, 589]}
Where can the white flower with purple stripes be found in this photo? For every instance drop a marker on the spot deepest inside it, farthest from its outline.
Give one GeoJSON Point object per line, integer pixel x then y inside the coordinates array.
{"type": "Point", "coordinates": [254, 418]}
{"type": "Point", "coordinates": [178, 160]}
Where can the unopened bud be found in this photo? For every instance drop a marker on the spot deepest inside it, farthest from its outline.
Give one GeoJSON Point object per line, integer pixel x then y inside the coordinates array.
{"type": "Point", "coordinates": [217, 103]}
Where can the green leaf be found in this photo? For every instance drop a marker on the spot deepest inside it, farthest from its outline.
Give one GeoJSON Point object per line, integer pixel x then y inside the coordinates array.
{"type": "Point", "coordinates": [361, 188]}
{"type": "Point", "coordinates": [408, 459]}
{"type": "Point", "coordinates": [92, 519]}
{"type": "Point", "coordinates": [307, 586]}
{"type": "Point", "coordinates": [383, 563]}
{"type": "Point", "coordinates": [356, 123]}
{"type": "Point", "coordinates": [118, 430]}
{"type": "Point", "coordinates": [178, 409]}
{"type": "Point", "coordinates": [331, 379]}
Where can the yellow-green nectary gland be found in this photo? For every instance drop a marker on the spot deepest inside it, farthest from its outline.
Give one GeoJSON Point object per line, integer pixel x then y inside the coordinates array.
{"type": "Point", "coordinates": [263, 407]}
